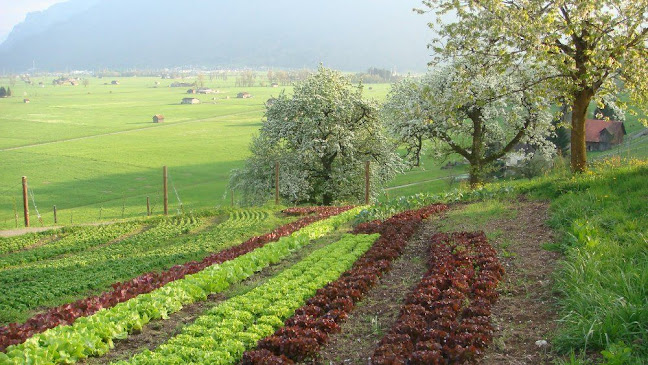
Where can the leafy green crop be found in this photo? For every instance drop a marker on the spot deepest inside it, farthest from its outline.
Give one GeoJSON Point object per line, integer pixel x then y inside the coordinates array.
{"type": "Point", "coordinates": [93, 335]}
{"type": "Point", "coordinates": [81, 239]}
{"type": "Point", "coordinates": [10, 244]}
{"type": "Point", "coordinates": [222, 334]}
{"type": "Point", "coordinates": [58, 280]}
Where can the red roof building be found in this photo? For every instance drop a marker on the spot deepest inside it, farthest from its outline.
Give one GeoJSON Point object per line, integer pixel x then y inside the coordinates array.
{"type": "Point", "coordinates": [601, 135]}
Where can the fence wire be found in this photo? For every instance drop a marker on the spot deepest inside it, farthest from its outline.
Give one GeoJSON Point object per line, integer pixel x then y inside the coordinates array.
{"type": "Point", "coordinates": [176, 194]}
{"type": "Point", "coordinates": [31, 194]}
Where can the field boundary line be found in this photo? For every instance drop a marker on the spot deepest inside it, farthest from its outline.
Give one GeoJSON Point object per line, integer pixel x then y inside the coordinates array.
{"type": "Point", "coordinates": [125, 131]}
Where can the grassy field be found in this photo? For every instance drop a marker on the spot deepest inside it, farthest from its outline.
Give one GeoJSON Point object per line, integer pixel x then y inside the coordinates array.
{"type": "Point", "coordinates": [95, 153]}
{"type": "Point", "coordinates": [95, 150]}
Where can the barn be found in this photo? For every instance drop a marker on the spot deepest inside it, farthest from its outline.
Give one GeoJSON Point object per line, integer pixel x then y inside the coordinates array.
{"type": "Point", "coordinates": [190, 101]}
{"type": "Point", "coordinates": [601, 135]}
{"type": "Point", "coordinates": [158, 118]}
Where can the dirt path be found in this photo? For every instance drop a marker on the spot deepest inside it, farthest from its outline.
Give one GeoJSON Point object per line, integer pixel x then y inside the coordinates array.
{"type": "Point", "coordinates": [526, 311]}
{"type": "Point", "coordinates": [422, 182]}
{"type": "Point", "coordinates": [19, 231]}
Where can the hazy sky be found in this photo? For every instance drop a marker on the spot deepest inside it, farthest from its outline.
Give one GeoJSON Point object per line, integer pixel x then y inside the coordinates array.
{"type": "Point", "coordinates": [13, 12]}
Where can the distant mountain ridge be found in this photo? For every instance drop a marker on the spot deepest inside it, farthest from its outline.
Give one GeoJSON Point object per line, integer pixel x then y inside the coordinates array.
{"type": "Point", "coordinates": [119, 34]}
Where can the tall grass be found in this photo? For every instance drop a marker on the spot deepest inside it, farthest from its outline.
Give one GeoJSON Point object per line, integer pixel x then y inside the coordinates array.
{"type": "Point", "coordinates": [604, 277]}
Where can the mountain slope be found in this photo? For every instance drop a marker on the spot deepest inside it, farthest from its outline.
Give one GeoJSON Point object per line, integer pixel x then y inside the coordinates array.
{"type": "Point", "coordinates": [163, 33]}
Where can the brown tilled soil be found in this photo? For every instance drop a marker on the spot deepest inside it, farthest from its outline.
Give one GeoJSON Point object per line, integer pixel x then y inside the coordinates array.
{"type": "Point", "coordinates": [526, 311]}
{"type": "Point", "coordinates": [376, 313]}
{"type": "Point", "coordinates": [524, 314]}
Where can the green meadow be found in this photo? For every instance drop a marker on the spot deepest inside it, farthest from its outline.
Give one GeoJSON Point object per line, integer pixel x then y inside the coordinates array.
{"type": "Point", "coordinates": [95, 153]}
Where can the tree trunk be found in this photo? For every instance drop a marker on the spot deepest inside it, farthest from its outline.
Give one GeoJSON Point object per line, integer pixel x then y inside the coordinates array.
{"type": "Point", "coordinates": [581, 101]}
{"type": "Point", "coordinates": [476, 166]}
{"type": "Point", "coordinates": [327, 164]}
{"type": "Point", "coordinates": [476, 174]}
{"type": "Point", "coordinates": [327, 199]}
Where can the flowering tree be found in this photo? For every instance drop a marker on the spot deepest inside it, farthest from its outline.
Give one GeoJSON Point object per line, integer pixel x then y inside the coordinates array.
{"type": "Point", "coordinates": [465, 109]}
{"type": "Point", "coordinates": [321, 136]}
{"type": "Point", "coordinates": [594, 46]}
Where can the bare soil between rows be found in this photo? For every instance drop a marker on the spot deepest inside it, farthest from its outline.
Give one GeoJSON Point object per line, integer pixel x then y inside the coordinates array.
{"type": "Point", "coordinates": [525, 312]}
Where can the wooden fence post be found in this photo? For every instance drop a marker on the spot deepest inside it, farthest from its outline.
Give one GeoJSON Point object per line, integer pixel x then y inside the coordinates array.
{"type": "Point", "coordinates": [148, 207]}
{"type": "Point", "coordinates": [367, 183]}
{"type": "Point", "coordinates": [25, 200]}
{"type": "Point", "coordinates": [231, 197]}
{"type": "Point", "coordinates": [166, 192]}
{"type": "Point", "coordinates": [55, 219]}
{"type": "Point", "coordinates": [277, 183]}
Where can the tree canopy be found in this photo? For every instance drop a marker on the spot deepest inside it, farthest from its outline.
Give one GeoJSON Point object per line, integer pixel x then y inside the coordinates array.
{"type": "Point", "coordinates": [465, 109]}
{"type": "Point", "coordinates": [589, 45]}
{"type": "Point", "coordinates": [321, 136]}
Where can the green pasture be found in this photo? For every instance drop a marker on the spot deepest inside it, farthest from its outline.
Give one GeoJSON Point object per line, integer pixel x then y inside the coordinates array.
{"type": "Point", "coordinates": [94, 152]}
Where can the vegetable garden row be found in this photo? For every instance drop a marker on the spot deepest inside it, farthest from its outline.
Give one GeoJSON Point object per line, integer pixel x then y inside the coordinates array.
{"type": "Point", "coordinates": [287, 318]}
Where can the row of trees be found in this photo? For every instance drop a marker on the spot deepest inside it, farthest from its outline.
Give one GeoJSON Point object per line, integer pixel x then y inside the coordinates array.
{"type": "Point", "coordinates": [325, 131]}
{"type": "Point", "coordinates": [5, 93]}
{"type": "Point", "coordinates": [376, 75]}
{"type": "Point", "coordinates": [285, 78]}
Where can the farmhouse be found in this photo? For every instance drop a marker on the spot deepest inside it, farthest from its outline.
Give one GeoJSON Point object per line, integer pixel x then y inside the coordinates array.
{"type": "Point", "coordinates": [26, 101]}
{"type": "Point", "coordinates": [158, 118]}
{"type": "Point", "coordinates": [274, 84]}
{"type": "Point", "coordinates": [114, 82]}
{"type": "Point", "coordinates": [205, 90]}
{"type": "Point", "coordinates": [190, 101]}
{"type": "Point", "coordinates": [244, 95]}
{"type": "Point", "coordinates": [191, 91]}
{"type": "Point", "coordinates": [601, 135]}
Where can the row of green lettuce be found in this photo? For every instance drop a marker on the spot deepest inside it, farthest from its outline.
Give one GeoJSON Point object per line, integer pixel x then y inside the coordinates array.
{"type": "Point", "coordinates": [63, 278]}
{"type": "Point", "coordinates": [601, 218]}
{"type": "Point", "coordinates": [27, 240]}
{"type": "Point", "coordinates": [224, 333]}
{"type": "Point", "coordinates": [94, 335]}
{"type": "Point", "coordinates": [80, 240]}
